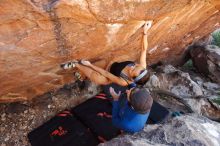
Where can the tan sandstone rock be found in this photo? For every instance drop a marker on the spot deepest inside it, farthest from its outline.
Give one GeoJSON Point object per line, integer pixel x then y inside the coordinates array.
{"type": "Point", "coordinates": [37, 35]}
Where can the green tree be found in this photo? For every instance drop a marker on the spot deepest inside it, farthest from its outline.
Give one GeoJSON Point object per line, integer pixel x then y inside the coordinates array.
{"type": "Point", "coordinates": [216, 38]}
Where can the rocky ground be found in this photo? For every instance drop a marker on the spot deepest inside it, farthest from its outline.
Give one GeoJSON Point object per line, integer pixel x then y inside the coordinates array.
{"type": "Point", "coordinates": [187, 130]}
{"type": "Point", "coordinates": [18, 119]}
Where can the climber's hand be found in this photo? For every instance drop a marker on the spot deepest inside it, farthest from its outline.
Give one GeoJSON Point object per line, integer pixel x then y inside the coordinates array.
{"type": "Point", "coordinates": [85, 62]}
{"type": "Point", "coordinates": [147, 26]}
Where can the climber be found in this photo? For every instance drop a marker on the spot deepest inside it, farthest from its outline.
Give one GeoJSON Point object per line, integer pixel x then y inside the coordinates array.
{"type": "Point", "coordinates": [130, 110]}
{"type": "Point", "coordinates": [131, 104]}
{"type": "Point", "coordinates": [122, 73]}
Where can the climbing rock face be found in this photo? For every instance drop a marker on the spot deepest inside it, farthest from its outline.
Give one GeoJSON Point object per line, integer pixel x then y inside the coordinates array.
{"type": "Point", "coordinates": [185, 130]}
{"type": "Point", "coordinates": [37, 35]}
{"type": "Point", "coordinates": [207, 61]}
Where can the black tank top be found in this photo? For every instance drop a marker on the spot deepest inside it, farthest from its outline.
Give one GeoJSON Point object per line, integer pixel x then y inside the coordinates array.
{"type": "Point", "coordinates": [117, 67]}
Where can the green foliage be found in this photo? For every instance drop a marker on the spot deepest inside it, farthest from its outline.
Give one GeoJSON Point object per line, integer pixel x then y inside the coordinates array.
{"type": "Point", "coordinates": [188, 64]}
{"type": "Point", "coordinates": [217, 100]}
{"type": "Point", "coordinates": [216, 38]}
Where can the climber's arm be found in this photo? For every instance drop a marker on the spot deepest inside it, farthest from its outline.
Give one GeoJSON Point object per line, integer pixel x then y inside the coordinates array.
{"type": "Point", "coordinates": [144, 52]}
{"type": "Point", "coordinates": [143, 60]}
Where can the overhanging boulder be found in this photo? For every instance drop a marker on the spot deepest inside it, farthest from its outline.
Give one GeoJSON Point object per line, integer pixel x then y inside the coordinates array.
{"type": "Point", "coordinates": [37, 35]}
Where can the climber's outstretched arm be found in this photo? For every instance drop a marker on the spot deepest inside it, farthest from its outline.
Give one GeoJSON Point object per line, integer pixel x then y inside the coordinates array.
{"type": "Point", "coordinates": [144, 52]}
{"type": "Point", "coordinates": [145, 44]}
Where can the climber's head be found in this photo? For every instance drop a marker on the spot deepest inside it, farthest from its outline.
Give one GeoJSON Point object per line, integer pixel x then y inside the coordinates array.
{"type": "Point", "coordinates": [139, 74]}
{"type": "Point", "coordinates": [140, 100]}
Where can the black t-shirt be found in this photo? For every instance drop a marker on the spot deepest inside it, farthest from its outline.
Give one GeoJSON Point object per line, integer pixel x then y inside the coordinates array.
{"type": "Point", "coordinates": [117, 67]}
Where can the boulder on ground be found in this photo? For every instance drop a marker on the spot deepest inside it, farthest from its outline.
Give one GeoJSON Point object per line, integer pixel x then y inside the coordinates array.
{"type": "Point", "coordinates": [188, 130]}
{"type": "Point", "coordinates": [194, 92]}
{"type": "Point", "coordinates": [207, 61]}
{"type": "Point", "coordinates": [169, 78]}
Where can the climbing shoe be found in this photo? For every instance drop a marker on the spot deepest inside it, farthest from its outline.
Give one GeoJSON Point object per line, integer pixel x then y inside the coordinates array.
{"type": "Point", "coordinates": [69, 65]}
{"type": "Point", "coordinates": [177, 114]}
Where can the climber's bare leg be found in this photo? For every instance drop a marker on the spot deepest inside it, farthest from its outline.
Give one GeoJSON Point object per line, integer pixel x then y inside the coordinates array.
{"type": "Point", "coordinates": [87, 71]}
{"type": "Point", "coordinates": [94, 76]}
